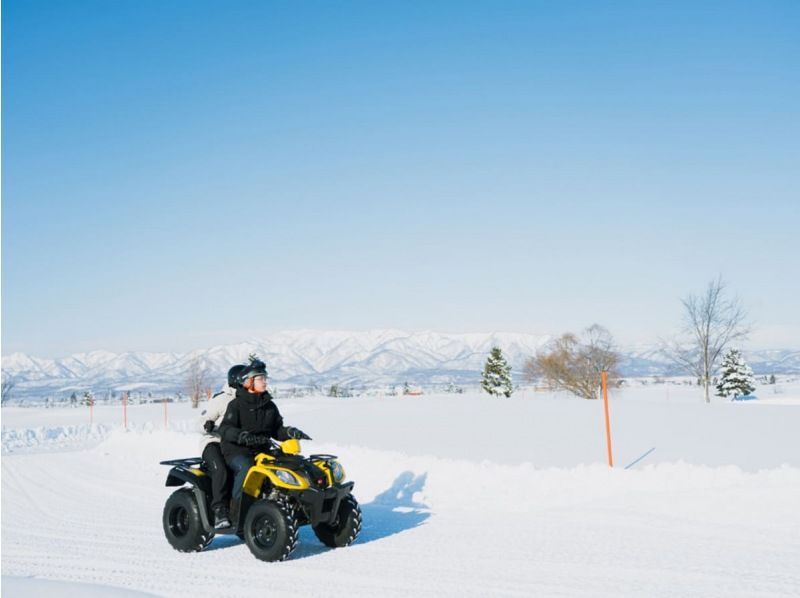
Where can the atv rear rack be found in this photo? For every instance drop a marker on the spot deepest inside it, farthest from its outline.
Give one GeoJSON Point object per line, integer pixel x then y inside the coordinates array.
{"type": "Point", "coordinates": [188, 462]}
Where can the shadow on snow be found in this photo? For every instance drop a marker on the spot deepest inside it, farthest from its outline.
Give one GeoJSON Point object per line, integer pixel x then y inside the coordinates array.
{"type": "Point", "coordinates": [391, 512]}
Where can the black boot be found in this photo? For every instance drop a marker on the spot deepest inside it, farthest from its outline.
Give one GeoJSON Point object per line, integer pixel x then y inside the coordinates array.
{"type": "Point", "coordinates": [234, 518]}
{"type": "Point", "coordinates": [221, 520]}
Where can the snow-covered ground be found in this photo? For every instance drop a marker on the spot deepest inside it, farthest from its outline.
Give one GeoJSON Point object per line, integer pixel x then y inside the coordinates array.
{"type": "Point", "coordinates": [463, 495]}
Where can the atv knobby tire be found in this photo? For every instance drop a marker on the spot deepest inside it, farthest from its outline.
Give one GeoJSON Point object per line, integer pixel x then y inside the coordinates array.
{"type": "Point", "coordinates": [348, 524]}
{"type": "Point", "coordinates": [270, 531]}
{"type": "Point", "coordinates": [182, 524]}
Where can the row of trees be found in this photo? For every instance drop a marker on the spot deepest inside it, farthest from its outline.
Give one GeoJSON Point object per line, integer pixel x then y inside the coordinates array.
{"type": "Point", "coordinates": [711, 322]}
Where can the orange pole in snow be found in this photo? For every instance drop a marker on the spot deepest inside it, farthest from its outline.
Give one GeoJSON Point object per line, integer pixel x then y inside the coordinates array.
{"type": "Point", "coordinates": [604, 379]}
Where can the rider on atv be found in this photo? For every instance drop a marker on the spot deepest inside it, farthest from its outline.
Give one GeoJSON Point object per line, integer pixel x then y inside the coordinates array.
{"type": "Point", "coordinates": [250, 421]}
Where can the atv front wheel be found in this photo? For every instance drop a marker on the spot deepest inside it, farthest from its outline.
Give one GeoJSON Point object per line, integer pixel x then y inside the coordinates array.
{"type": "Point", "coordinates": [348, 524]}
{"type": "Point", "coordinates": [270, 531]}
{"type": "Point", "coordinates": [182, 524]}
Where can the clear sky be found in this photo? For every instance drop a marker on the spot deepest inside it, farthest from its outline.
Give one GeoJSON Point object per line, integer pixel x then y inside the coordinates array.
{"type": "Point", "coordinates": [177, 174]}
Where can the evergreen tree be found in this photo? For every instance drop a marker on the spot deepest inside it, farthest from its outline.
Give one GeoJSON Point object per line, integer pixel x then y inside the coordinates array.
{"type": "Point", "coordinates": [736, 377]}
{"type": "Point", "coordinates": [496, 379]}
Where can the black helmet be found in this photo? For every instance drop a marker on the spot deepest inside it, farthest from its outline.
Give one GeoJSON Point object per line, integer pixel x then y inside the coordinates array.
{"type": "Point", "coordinates": [233, 375]}
{"type": "Point", "coordinates": [255, 368]}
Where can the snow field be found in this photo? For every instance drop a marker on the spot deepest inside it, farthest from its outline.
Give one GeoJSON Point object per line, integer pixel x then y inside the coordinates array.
{"type": "Point", "coordinates": [462, 496]}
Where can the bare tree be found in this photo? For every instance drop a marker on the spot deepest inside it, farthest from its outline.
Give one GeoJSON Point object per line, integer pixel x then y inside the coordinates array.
{"type": "Point", "coordinates": [710, 322]}
{"type": "Point", "coordinates": [530, 371]}
{"type": "Point", "coordinates": [574, 363]}
{"type": "Point", "coordinates": [8, 385]}
{"type": "Point", "coordinates": [196, 380]}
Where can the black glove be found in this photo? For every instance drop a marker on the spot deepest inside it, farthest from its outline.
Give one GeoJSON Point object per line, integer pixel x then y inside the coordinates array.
{"type": "Point", "coordinates": [251, 440]}
{"type": "Point", "coordinates": [244, 438]}
{"type": "Point", "coordinates": [209, 426]}
{"type": "Point", "coordinates": [261, 441]}
{"type": "Point", "coordinates": [297, 434]}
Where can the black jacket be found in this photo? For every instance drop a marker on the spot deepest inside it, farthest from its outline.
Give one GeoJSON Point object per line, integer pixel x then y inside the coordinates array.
{"type": "Point", "coordinates": [247, 412]}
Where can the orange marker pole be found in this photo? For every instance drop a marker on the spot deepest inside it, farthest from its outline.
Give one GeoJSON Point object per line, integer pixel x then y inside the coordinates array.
{"type": "Point", "coordinates": [604, 379]}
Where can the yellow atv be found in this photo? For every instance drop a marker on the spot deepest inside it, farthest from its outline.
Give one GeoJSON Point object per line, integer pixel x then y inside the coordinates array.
{"type": "Point", "coordinates": [282, 491]}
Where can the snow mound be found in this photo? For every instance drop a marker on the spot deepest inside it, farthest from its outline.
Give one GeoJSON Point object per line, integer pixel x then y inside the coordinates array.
{"type": "Point", "coordinates": [77, 436]}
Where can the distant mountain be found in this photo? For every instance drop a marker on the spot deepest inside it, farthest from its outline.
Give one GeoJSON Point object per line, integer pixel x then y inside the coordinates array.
{"type": "Point", "coordinates": [322, 358]}
{"type": "Point", "coordinates": [649, 361]}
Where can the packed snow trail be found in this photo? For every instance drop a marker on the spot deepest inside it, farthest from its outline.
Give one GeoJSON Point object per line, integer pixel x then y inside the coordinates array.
{"type": "Point", "coordinates": [432, 527]}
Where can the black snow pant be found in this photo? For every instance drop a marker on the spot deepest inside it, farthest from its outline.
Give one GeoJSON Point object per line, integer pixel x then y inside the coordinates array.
{"type": "Point", "coordinates": [215, 463]}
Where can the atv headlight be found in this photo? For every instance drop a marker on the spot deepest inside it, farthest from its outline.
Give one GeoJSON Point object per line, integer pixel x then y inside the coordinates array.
{"type": "Point", "coordinates": [337, 471]}
{"type": "Point", "coordinates": [287, 477]}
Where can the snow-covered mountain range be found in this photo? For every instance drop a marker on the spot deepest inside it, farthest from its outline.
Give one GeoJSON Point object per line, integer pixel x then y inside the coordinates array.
{"type": "Point", "coordinates": [312, 357]}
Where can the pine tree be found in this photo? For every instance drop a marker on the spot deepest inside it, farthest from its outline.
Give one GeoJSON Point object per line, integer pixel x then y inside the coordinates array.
{"type": "Point", "coordinates": [496, 379]}
{"type": "Point", "coordinates": [736, 377]}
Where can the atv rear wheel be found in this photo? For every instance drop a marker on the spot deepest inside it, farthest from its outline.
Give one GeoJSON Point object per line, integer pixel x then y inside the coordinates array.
{"type": "Point", "coordinates": [182, 524]}
{"type": "Point", "coordinates": [270, 531]}
{"type": "Point", "coordinates": [348, 524]}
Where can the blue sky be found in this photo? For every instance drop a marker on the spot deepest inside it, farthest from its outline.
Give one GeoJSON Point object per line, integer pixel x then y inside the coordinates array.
{"type": "Point", "coordinates": [185, 173]}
